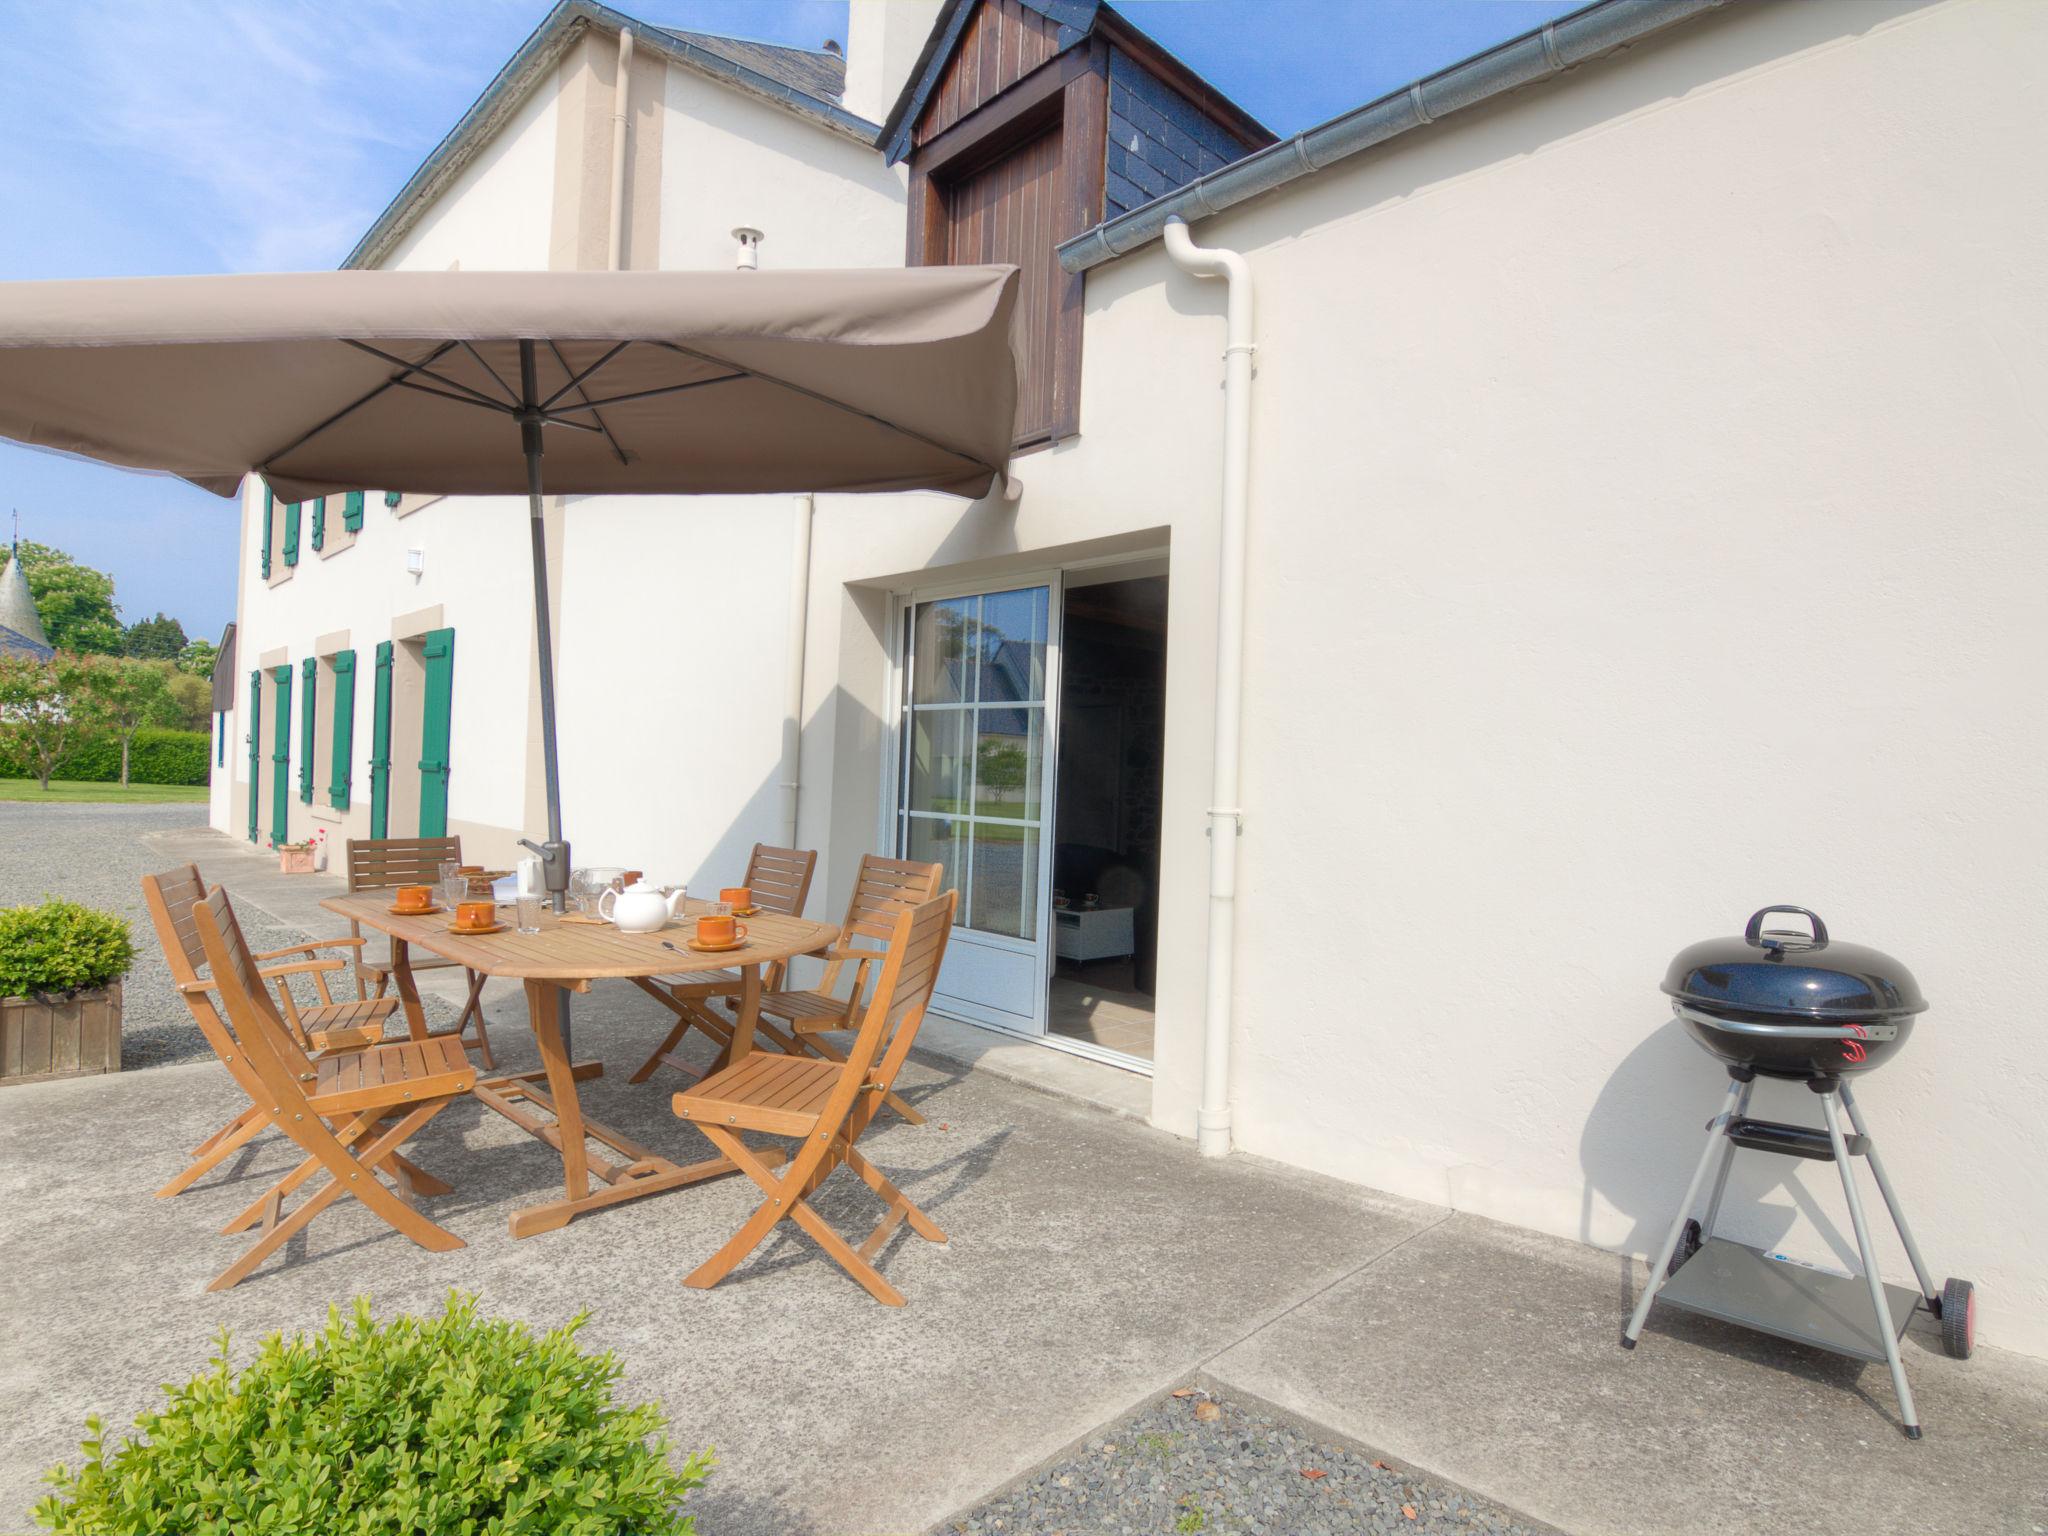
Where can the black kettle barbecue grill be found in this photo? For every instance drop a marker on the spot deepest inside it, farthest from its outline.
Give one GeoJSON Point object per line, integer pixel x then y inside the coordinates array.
{"type": "Point", "coordinates": [1798, 1005]}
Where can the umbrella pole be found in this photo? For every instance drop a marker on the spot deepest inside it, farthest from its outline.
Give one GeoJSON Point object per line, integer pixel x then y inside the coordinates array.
{"type": "Point", "coordinates": [554, 853]}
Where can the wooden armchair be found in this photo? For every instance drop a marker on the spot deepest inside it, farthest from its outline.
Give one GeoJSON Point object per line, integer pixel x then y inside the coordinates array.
{"type": "Point", "coordinates": [825, 1106]}
{"type": "Point", "coordinates": [170, 897]}
{"type": "Point", "coordinates": [349, 1112]}
{"type": "Point", "coordinates": [384, 863]}
{"type": "Point", "coordinates": [797, 1021]}
{"type": "Point", "coordinates": [780, 879]}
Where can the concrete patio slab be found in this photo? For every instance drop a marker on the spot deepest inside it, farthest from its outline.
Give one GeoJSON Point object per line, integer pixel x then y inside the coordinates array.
{"type": "Point", "coordinates": [1490, 1356]}
{"type": "Point", "coordinates": [1095, 1263]}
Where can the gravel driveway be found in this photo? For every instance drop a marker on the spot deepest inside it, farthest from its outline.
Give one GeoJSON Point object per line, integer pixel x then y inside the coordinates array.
{"type": "Point", "coordinates": [98, 854]}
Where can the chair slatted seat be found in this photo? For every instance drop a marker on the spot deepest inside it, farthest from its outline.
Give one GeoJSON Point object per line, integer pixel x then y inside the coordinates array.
{"type": "Point", "coordinates": [385, 863]}
{"type": "Point", "coordinates": [827, 1104]}
{"type": "Point", "coordinates": [349, 1113]}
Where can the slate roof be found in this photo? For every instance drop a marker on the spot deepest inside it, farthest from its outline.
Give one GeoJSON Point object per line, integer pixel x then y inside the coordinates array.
{"type": "Point", "coordinates": [14, 643]}
{"type": "Point", "coordinates": [812, 72]}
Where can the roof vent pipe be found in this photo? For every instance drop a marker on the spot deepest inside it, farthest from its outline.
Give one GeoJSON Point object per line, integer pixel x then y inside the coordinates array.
{"type": "Point", "coordinates": [1212, 1120]}
{"type": "Point", "coordinates": [748, 257]}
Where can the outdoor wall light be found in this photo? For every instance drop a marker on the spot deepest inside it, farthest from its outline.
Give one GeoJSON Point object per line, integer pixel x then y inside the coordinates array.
{"type": "Point", "coordinates": [415, 562]}
{"type": "Point", "coordinates": [748, 257]}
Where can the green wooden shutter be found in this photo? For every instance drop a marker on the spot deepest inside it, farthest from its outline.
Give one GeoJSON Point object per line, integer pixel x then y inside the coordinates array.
{"type": "Point", "coordinates": [281, 759]}
{"type": "Point", "coordinates": [291, 533]}
{"type": "Point", "coordinates": [269, 508]}
{"type": "Point", "coordinates": [380, 744]}
{"type": "Point", "coordinates": [220, 757]}
{"type": "Point", "coordinates": [436, 715]}
{"type": "Point", "coordinates": [308, 709]}
{"type": "Point", "coordinates": [352, 511]}
{"type": "Point", "coordinates": [255, 750]}
{"type": "Point", "coordinates": [393, 498]}
{"type": "Point", "coordinates": [344, 728]}
{"type": "Point", "coordinates": [319, 522]}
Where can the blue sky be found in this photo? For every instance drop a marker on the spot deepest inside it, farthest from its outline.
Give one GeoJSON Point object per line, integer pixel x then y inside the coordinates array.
{"type": "Point", "coordinates": [160, 136]}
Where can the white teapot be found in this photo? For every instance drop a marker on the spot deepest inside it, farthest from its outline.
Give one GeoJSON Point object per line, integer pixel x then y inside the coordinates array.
{"type": "Point", "coordinates": [639, 908]}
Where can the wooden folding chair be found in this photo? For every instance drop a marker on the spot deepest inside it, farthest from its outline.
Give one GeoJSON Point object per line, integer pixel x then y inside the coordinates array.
{"type": "Point", "coordinates": [170, 897]}
{"type": "Point", "coordinates": [384, 863]}
{"type": "Point", "coordinates": [780, 879]}
{"type": "Point", "coordinates": [826, 1105]}
{"type": "Point", "coordinates": [350, 1113]}
{"type": "Point", "coordinates": [797, 1021]}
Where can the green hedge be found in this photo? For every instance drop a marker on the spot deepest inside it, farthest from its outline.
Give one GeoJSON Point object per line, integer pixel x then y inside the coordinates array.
{"type": "Point", "coordinates": [154, 757]}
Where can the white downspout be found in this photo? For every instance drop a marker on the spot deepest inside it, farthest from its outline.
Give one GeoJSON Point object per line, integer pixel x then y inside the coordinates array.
{"type": "Point", "coordinates": [793, 692]}
{"type": "Point", "coordinates": [1212, 1121]}
{"type": "Point", "coordinates": [615, 244]}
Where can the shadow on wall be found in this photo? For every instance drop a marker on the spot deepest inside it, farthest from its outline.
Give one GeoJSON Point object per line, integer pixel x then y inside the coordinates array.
{"type": "Point", "coordinates": [1644, 1138]}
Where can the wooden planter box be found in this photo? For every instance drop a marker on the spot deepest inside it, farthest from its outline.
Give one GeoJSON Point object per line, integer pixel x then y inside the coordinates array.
{"type": "Point", "coordinates": [61, 1037]}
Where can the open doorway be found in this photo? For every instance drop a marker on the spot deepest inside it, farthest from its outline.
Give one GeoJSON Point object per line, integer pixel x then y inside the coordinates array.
{"type": "Point", "coordinates": [1112, 738]}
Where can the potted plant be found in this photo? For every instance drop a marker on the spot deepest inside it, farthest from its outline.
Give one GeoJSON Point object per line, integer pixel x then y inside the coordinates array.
{"type": "Point", "coordinates": [61, 966]}
{"type": "Point", "coordinates": [294, 858]}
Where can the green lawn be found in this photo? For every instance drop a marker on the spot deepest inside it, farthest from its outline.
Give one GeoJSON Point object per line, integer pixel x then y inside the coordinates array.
{"type": "Point", "coordinates": [71, 792]}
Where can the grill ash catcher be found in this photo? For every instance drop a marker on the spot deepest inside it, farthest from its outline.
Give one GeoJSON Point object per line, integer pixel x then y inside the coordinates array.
{"type": "Point", "coordinates": [1793, 1005]}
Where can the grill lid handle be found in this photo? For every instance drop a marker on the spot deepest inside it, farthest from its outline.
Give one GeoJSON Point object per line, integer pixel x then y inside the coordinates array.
{"type": "Point", "coordinates": [1778, 940]}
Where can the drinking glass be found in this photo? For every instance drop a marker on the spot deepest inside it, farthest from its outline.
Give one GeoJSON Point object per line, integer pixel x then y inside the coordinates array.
{"type": "Point", "coordinates": [529, 913]}
{"type": "Point", "coordinates": [453, 887]}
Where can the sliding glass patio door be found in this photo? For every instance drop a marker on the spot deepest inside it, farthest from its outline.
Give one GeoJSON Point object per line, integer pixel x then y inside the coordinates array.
{"type": "Point", "coordinates": [973, 793]}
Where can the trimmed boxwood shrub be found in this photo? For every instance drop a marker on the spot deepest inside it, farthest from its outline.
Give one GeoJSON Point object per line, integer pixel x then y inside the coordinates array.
{"type": "Point", "coordinates": [433, 1426]}
{"type": "Point", "coordinates": [154, 757]}
{"type": "Point", "coordinates": [61, 946]}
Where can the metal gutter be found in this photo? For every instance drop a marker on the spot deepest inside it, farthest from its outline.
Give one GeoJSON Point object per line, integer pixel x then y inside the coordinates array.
{"type": "Point", "coordinates": [1574, 39]}
{"type": "Point", "coordinates": [537, 55]}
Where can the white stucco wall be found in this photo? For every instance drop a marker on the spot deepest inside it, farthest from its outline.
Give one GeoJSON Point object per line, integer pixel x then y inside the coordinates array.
{"type": "Point", "coordinates": [495, 216]}
{"type": "Point", "coordinates": [1649, 526]}
{"type": "Point", "coordinates": [672, 664]}
{"type": "Point", "coordinates": [728, 160]}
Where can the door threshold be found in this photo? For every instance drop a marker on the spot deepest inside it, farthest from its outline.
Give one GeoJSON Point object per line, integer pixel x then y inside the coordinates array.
{"type": "Point", "coordinates": [1120, 1085]}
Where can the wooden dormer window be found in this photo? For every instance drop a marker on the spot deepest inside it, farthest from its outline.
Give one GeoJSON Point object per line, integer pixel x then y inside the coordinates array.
{"type": "Point", "coordinates": [1024, 124]}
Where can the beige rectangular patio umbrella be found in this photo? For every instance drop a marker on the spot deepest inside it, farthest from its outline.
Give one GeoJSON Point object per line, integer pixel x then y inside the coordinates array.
{"type": "Point", "coordinates": [457, 383]}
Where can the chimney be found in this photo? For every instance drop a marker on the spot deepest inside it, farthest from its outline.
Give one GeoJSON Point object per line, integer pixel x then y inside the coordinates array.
{"type": "Point", "coordinates": [883, 40]}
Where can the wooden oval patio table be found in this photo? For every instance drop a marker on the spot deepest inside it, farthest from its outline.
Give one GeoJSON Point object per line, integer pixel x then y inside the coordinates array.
{"type": "Point", "coordinates": [568, 957]}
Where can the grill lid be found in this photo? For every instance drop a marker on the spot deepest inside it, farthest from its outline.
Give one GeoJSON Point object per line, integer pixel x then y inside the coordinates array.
{"type": "Point", "coordinates": [1781, 973]}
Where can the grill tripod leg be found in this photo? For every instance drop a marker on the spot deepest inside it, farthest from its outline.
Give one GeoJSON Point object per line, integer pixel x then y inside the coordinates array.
{"type": "Point", "coordinates": [1727, 1162]}
{"type": "Point", "coordinates": [1883, 1313]}
{"type": "Point", "coordinates": [1715, 1128]}
{"type": "Point", "coordinates": [1891, 1201]}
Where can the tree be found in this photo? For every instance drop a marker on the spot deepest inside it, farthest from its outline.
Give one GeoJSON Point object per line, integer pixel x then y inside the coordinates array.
{"type": "Point", "coordinates": [123, 694]}
{"type": "Point", "coordinates": [191, 701]}
{"type": "Point", "coordinates": [75, 602]}
{"type": "Point", "coordinates": [161, 638]}
{"type": "Point", "coordinates": [34, 720]}
{"type": "Point", "coordinates": [198, 657]}
{"type": "Point", "coordinates": [1002, 767]}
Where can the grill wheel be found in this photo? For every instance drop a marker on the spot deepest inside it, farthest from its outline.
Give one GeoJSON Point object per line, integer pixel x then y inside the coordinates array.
{"type": "Point", "coordinates": [1958, 1318]}
{"type": "Point", "coordinates": [1688, 1245]}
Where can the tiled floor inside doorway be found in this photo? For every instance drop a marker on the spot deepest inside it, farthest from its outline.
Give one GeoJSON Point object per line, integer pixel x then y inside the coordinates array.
{"type": "Point", "coordinates": [1097, 1003]}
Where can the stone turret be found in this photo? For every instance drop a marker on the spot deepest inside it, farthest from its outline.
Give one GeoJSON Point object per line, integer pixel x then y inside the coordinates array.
{"type": "Point", "coordinates": [21, 631]}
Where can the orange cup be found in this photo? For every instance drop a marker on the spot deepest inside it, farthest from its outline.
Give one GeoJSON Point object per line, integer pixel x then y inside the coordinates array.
{"type": "Point", "coordinates": [719, 930]}
{"type": "Point", "coordinates": [736, 896]}
{"type": "Point", "coordinates": [475, 914]}
{"type": "Point", "coordinates": [413, 898]}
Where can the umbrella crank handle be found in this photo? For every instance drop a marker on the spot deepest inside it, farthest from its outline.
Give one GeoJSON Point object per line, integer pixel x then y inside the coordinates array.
{"type": "Point", "coordinates": [554, 863]}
